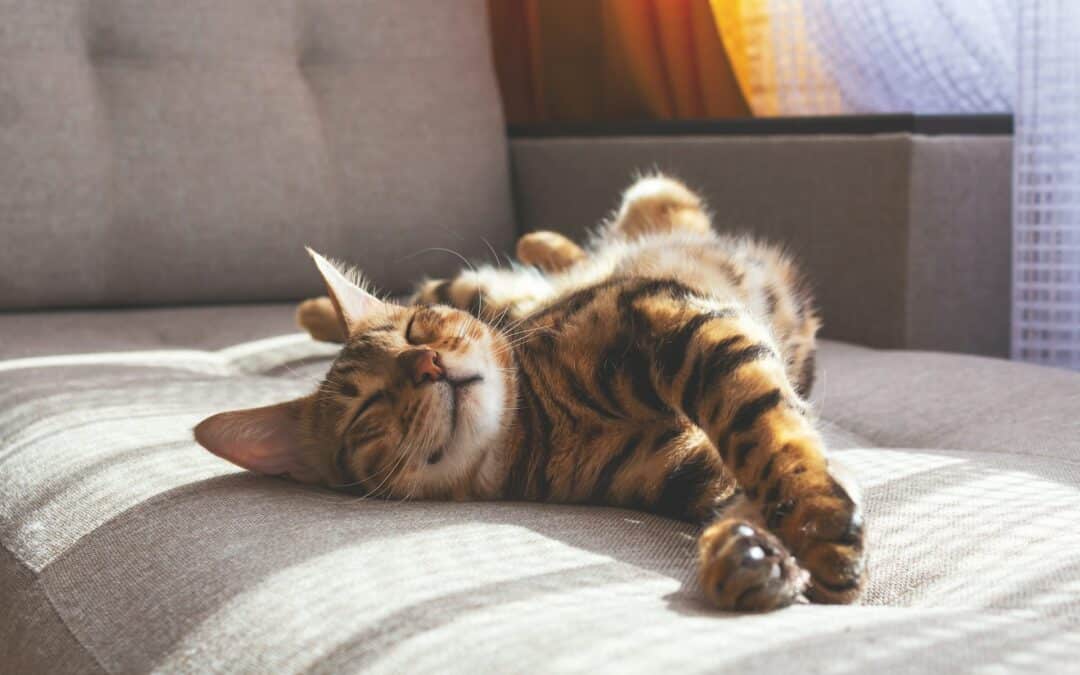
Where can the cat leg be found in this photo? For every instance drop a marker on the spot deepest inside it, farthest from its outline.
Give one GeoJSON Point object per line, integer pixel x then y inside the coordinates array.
{"type": "Point", "coordinates": [789, 308]}
{"type": "Point", "coordinates": [319, 318]}
{"type": "Point", "coordinates": [717, 366]}
{"type": "Point", "coordinates": [743, 566]}
{"type": "Point", "coordinates": [659, 204]}
{"type": "Point", "coordinates": [493, 295]}
{"type": "Point", "coordinates": [550, 251]}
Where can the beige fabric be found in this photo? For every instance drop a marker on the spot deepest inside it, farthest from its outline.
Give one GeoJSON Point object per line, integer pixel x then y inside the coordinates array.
{"type": "Point", "coordinates": [922, 399]}
{"type": "Point", "coordinates": [79, 332]}
{"type": "Point", "coordinates": [127, 547]}
{"type": "Point", "coordinates": [32, 635]}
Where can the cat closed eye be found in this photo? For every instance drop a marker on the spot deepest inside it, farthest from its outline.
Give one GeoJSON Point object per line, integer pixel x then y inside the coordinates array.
{"type": "Point", "coordinates": [409, 330]}
{"type": "Point", "coordinates": [365, 406]}
{"type": "Point", "coordinates": [422, 327]}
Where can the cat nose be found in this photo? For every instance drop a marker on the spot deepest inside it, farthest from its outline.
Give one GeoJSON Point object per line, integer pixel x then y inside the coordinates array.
{"type": "Point", "coordinates": [423, 365]}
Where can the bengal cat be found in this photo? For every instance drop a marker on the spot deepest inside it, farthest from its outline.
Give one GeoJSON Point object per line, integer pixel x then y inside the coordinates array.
{"type": "Point", "coordinates": [661, 368]}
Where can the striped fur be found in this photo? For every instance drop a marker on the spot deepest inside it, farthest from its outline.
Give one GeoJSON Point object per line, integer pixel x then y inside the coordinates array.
{"type": "Point", "coordinates": [662, 367]}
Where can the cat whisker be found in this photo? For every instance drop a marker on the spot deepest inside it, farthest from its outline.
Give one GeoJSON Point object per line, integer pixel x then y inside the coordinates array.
{"type": "Point", "coordinates": [491, 248]}
{"type": "Point", "coordinates": [452, 252]}
{"type": "Point", "coordinates": [524, 332]}
{"type": "Point", "coordinates": [302, 376]}
{"type": "Point", "coordinates": [389, 474]}
{"type": "Point", "coordinates": [518, 342]}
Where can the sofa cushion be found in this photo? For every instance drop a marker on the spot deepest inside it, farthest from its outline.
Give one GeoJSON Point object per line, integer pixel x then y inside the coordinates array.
{"type": "Point", "coordinates": [155, 152]}
{"type": "Point", "coordinates": [125, 547]}
{"type": "Point", "coordinates": [934, 400]}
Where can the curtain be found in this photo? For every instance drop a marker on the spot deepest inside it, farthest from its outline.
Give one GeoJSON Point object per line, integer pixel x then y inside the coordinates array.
{"type": "Point", "coordinates": [817, 57]}
{"type": "Point", "coordinates": [1046, 195]}
{"type": "Point", "coordinates": [778, 69]}
{"type": "Point", "coordinates": [584, 60]}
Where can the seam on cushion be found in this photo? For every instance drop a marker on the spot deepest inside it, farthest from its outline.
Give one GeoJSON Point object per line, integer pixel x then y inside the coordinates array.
{"type": "Point", "coordinates": [886, 445]}
{"type": "Point", "coordinates": [874, 439]}
{"type": "Point", "coordinates": [1009, 453]}
{"type": "Point", "coordinates": [878, 443]}
{"type": "Point", "coordinates": [36, 577]}
{"type": "Point", "coordinates": [855, 434]}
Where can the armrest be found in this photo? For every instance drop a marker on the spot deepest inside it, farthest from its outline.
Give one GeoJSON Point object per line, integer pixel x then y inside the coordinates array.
{"type": "Point", "coordinates": [905, 237]}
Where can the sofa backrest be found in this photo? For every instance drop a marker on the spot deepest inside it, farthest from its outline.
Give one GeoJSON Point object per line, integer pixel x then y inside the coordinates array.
{"type": "Point", "coordinates": [161, 152]}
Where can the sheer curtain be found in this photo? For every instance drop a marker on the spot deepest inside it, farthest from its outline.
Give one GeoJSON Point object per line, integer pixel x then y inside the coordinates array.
{"type": "Point", "coordinates": [797, 57]}
{"type": "Point", "coordinates": [803, 57]}
{"type": "Point", "coordinates": [1046, 196]}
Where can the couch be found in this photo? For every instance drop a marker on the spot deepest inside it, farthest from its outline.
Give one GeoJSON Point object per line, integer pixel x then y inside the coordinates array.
{"type": "Point", "coordinates": [161, 166]}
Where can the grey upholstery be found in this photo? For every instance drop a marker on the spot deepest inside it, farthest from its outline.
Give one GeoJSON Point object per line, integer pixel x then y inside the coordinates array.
{"type": "Point", "coordinates": [905, 238]}
{"type": "Point", "coordinates": [124, 547]}
{"type": "Point", "coordinates": [155, 151]}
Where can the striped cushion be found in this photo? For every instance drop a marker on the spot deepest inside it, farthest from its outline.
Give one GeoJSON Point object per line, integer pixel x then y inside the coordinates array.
{"type": "Point", "coordinates": [127, 548]}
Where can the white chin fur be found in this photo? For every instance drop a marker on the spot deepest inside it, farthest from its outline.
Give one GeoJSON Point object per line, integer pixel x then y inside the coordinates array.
{"type": "Point", "coordinates": [479, 414]}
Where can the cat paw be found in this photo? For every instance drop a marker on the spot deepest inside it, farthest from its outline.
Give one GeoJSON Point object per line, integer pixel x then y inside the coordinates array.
{"type": "Point", "coordinates": [433, 292]}
{"type": "Point", "coordinates": [550, 251]}
{"type": "Point", "coordinates": [825, 531]}
{"type": "Point", "coordinates": [319, 318]}
{"type": "Point", "coordinates": [656, 204]}
{"type": "Point", "coordinates": [745, 568]}
{"type": "Point", "coordinates": [462, 292]}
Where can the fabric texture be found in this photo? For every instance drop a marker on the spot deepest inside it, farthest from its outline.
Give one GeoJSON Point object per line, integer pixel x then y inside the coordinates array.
{"type": "Point", "coordinates": [905, 238]}
{"type": "Point", "coordinates": [162, 152]}
{"type": "Point", "coordinates": [124, 547]}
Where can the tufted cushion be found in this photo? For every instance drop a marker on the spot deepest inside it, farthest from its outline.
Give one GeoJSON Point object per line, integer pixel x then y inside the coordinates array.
{"type": "Point", "coordinates": [156, 151]}
{"type": "Point", "coordinates": [124, 547]}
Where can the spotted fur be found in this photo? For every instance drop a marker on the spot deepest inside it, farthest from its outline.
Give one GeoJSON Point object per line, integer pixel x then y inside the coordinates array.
{"type": "Point", "coordinates": [662, 367]}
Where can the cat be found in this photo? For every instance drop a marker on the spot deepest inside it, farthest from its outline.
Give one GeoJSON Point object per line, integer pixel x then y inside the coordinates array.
{"type": "Point", "coordinates": [663, 367]}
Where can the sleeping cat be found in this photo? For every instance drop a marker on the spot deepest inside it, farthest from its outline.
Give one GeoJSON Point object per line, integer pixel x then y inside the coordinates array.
{"type": "Point", "coordinates": [661, 368]}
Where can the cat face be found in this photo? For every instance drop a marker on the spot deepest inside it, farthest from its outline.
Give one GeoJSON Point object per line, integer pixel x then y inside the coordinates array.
{"type": "Point", "coordinates": [413, 406]}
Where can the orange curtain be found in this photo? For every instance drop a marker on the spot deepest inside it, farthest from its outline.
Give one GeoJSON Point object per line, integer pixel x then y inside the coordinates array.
{"type": "Point", "coordinates": [582, 60]}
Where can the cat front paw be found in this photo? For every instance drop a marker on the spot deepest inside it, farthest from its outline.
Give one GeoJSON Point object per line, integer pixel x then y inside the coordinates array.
{"type": "Point", "coordinates": [462, 292]}
{"type": "Point", "coordinates": [745, 568]}
{"type": "Point", "coordinates": [825, 530]}
{"type": "Point", "coordinates": [550, 251]}
{"type": "Point", "coordinates": [434, 292]}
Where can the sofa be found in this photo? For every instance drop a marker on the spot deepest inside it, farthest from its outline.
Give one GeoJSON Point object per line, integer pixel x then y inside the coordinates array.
{"type": "Point", "coordinates": [162, 165]}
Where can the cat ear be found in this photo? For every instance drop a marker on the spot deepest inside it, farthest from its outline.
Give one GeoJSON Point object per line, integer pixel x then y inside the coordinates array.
{"type": "Point", "coordinates": [264, 440]}
{"type": "Point", "coordinates": [354, 305]}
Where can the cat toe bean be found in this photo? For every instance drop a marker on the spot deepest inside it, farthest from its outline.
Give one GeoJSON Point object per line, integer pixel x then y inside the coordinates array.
{"type": "Point", "coordinates": [831, 549]}
{"type": "Point", "coordinates": [744, 568]}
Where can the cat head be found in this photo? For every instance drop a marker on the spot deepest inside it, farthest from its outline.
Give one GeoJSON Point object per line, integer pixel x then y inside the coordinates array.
{"type": "Point", "coordinates": [413, 405]}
